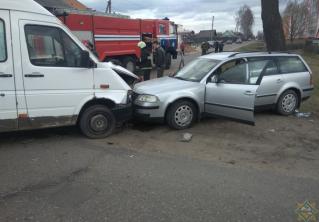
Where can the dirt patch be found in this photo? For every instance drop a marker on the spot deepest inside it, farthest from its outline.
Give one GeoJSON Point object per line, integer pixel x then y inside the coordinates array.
{"type": "Point", "coordinates": [284, 144]}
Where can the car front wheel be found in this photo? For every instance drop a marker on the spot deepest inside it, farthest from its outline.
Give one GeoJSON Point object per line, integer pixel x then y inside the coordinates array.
{"type": "Point", "coordinates": [97, 122]}
{"type": "Point", "coordinates": [181, 115]}
{"type": "Point", "coordinates": [288, 103]}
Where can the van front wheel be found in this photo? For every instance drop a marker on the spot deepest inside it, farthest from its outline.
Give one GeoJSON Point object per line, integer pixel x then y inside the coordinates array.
{"type": "Point", "coordinates": [97, 122]}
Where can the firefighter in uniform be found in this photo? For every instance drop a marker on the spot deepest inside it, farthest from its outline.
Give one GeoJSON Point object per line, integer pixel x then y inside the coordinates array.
{"type": "Point", "coordinates": [145, 63]}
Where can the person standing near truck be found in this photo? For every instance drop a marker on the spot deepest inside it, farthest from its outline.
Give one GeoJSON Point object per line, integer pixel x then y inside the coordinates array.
{"type": "Point", "coordinates": [145, 64]}
{"type": "Point", "coordinates": [159, 57]}
{"type": "Point", "coordinates": [221, 47]}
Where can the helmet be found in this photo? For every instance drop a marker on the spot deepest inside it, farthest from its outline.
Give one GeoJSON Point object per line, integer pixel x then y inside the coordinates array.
{"type": "Point", "coordinates": [141, 44]}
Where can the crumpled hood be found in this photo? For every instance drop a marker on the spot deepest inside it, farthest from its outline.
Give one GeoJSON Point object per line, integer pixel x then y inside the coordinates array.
{"type": "Point", "coordinates": [163, 85]}
{"type": "Point", "coordinates": [120, 69]}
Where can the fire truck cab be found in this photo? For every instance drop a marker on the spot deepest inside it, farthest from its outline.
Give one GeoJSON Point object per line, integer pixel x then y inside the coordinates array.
{"type": "Point", "coordinates": [115, 37]}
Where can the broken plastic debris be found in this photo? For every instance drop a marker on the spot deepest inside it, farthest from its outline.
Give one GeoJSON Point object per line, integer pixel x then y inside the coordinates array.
{"type": "Point", "coordinates": [302, 115]}
{"type": "Point", "coordinates": [187, 137]}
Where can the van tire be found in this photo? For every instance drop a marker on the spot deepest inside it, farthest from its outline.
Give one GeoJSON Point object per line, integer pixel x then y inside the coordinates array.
{"type": "Point", "coordinates": [287, 103]}
{"type": "Point", "coordinates": [179, 110]}
{"type": "Point", "coordinates": [97, 122]}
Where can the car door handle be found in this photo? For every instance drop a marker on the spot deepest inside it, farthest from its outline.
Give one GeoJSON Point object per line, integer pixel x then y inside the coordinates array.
{"type": "Point", "coordinates": [249, 93]}
{"type": "Point", "coordinates": [2, 75]}
{"type": "Point", "coordinates": [279, 80]}
{"type": "Point", "coordinates": [2, 95]}
{"type": "Point", "coordinates": [34, 75]}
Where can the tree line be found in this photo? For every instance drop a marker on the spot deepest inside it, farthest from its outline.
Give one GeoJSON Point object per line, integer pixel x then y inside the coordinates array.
{"type": "Point", "coordinates": [293, 20]}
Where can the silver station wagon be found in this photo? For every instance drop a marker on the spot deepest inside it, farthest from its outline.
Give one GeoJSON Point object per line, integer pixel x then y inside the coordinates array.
{"type": "Point", "coordinates": [229, 84]}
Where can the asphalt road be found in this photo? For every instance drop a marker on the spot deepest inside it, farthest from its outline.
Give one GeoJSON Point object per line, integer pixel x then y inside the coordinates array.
{"type": "Point", "coordinates": [58, 175]}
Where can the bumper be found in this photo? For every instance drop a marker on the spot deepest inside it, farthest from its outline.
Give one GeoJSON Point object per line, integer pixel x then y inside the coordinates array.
{"type": "Point", "coordinates": [148, 114]}
{"type": "Point", "coordinates": [123, 113]}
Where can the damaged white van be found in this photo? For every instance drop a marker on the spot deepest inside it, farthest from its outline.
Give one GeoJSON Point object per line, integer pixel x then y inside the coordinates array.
{"type": "Point", "coordinates": [49, 79]}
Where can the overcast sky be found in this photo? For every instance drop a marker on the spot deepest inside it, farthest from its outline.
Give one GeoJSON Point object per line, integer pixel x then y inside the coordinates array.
{"type": "Point", "coordinates": [192, 14]}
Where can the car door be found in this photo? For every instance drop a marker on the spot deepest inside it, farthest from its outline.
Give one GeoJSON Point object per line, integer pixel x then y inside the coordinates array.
{"type": "Point", "coordinates": [231, 91]}
{"type": "Point", "coordinates": [55, 83]}
{"type": "Point", "coordinates": [270, 82]}
{"type": "Point", "coordinates": [8, 104]}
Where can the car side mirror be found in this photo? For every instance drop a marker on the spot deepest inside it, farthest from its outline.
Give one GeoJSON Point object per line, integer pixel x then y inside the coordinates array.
{"type": "Point", "coordinates": [86, 61]}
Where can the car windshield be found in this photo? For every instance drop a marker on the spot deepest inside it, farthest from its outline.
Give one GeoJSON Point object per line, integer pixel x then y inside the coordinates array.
{"type": "Point", "coordinates": [196, 70]}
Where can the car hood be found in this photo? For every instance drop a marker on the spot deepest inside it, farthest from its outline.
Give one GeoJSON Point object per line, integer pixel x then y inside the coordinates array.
{"type": "Point", "coordinates": [163, 85]}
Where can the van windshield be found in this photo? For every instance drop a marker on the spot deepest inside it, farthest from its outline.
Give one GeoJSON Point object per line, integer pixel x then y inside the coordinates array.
{"type": "Point", "coordinates": [196, 70]}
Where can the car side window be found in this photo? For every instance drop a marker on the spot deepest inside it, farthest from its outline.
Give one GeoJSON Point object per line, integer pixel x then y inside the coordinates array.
{"type": "Point", "coordinates": [291, 65]}
{"type": "Point", "coordinates": [3, 48]}
{"type": "Point", "coordinates": [233, 72]}
{"type": "Point", "coordinates": [271, 69]}
{"type": "Point", "coordinates": [50, 46]}
{"type": "Point", "coordinates": [256, 68]}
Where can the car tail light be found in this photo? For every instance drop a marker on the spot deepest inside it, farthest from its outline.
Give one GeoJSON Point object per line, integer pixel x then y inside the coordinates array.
{"type": "Point", "coordinates": [311, 80]}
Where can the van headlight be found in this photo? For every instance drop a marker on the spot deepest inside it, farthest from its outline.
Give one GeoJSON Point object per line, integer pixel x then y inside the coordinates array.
{"type": "Point", "coordinates": [147, 98]}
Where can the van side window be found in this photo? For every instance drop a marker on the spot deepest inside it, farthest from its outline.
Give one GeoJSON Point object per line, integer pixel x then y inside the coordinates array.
{"type": "Point", "coordinates": [50, 46]}
{"type": "Point", "coordinates": [291, 65]}
{"type": "Point", "coordinates": [3, 48]}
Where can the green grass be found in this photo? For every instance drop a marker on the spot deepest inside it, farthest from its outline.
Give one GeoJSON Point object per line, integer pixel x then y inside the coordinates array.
{"type": "Point", "coordinates": [311, 105]}
{"type": "Point", "coordinates": [256, 46]}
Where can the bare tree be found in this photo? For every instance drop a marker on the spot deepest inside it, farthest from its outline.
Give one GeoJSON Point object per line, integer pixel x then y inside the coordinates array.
{"type": "Point", "coordinates": [260, 35]}
{"type": "Point", "coordinates": [295, 19]}
{"type": "Point", "coordinates": [272, 23]}
{"type": "Point", "coordinates": [245, 20]}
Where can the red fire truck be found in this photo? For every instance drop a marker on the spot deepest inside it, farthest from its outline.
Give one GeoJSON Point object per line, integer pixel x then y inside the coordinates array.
{"type": "Point", "coordinates": [115, 37]}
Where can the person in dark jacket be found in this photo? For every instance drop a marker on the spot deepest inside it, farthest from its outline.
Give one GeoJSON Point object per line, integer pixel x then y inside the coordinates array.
{"type": "Point", "coordinates": [221, 47]}
{"type": "Point", "coordinates": [205, 48]}
{"type": "Point", "coordinates": [159, 57]}
{"type": "Point", "coordinates": [216, 46]}
{"type": "Point", "coordinates": [145, 64]}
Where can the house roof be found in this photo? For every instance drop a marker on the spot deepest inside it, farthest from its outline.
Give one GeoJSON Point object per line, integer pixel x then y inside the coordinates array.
{"type": "Point", "coordinates": [206, 33]}
{"type": "Point", "coordinates": [76, 4]}
{"type": "Point", "coordinates": [53, 3]}
{"type": "Point", "coordinates": [62, 4]}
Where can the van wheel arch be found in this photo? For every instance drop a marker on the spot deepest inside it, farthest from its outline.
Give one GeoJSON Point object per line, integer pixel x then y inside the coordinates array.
{"type": "Point", "coordinates": [104, 102]}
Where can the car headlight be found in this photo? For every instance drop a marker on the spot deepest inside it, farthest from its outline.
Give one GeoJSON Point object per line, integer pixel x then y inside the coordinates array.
{"type": "Point", "coordinates": [147, 98]}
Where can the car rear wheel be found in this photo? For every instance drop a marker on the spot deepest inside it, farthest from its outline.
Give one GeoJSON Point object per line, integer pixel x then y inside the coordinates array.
{"type": "Point", "coordinates": [181, 115]}
{"type": "Point", "coordinates": [288, 103]}
{"type": "Point", "coordinates": [97, 122]}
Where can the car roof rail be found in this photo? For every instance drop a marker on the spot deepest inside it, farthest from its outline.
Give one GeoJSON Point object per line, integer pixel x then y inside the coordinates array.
{"type": "Point", "coordinates": [284, 52]}
{"type": "Point", "coordinates": [237, 53]}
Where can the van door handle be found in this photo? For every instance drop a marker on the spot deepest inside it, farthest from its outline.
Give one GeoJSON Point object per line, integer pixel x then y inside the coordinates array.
{"type": "Point", "coordinates": [34, 75]}
{"type": "Point", "coordinates": [2, 75]}
{"type": "Point", "coordinates": [249, 93]}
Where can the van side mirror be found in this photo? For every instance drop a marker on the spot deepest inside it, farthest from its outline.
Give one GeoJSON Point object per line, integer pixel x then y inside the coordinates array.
{"type": "Point", "coordinates": [86, 61]}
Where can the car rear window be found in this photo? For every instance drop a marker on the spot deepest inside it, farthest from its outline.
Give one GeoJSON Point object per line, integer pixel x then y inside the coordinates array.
{"type": "Point", "coordinates": [291, 65]}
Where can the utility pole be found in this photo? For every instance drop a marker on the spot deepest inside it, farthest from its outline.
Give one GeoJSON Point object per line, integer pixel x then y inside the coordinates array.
{"type": "Point", "coordinates": [212, 36]}
{"type": "Point", "coordinates": [109, 7]}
